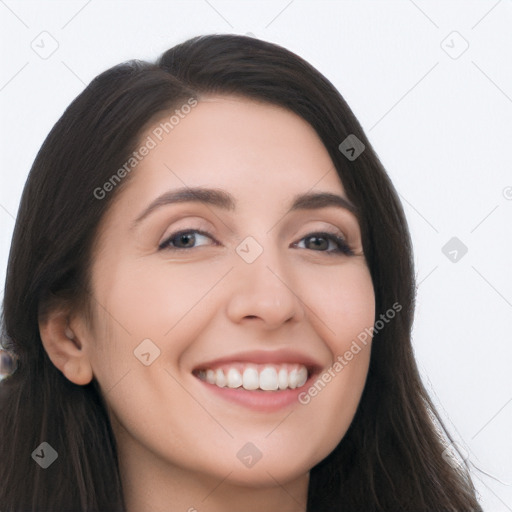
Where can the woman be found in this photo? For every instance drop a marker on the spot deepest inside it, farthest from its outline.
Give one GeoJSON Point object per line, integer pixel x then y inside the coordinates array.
{"type": "Point", "coordinates": [209, 296]}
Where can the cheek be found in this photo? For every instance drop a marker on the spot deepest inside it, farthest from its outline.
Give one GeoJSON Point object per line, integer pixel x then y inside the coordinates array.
{"type": "Point", "coordinates": [167, 303]}
{"type": "Point", "coordinates": [155, 299]}
{"type": "Point", "coordinates": [343, 301]}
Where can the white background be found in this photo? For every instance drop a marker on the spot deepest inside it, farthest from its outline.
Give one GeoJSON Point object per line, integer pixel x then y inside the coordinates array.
{"type": "Point", "coordinates": [440, 120]}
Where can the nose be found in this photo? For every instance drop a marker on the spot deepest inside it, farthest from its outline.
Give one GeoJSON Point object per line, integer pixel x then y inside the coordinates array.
{"type": "Point", "coordinates": [264, 292]}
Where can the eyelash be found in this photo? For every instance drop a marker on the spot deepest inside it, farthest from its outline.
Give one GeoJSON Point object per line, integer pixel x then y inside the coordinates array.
{"type": "Point", "coordinates": [343, 247]}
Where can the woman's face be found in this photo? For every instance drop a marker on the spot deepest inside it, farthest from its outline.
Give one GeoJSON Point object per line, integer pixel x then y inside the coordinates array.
{"type": "Point", "coordinates": [249, 293]}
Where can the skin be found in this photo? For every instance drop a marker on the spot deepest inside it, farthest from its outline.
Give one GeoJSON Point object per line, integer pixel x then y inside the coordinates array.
{"type": "Point", "coordinates": [177, 442]}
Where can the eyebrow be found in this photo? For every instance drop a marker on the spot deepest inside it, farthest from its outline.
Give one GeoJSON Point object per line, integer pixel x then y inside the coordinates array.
{"type": "Point", "coordinates": [224, 200]}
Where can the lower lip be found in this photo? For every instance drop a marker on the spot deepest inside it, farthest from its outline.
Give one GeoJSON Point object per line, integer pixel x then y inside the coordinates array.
{"type": "Point", "coordinates": [257, 400]}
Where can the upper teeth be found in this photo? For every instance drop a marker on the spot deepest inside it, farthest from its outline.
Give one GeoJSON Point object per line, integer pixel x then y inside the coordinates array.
{"type": "Point", "coordinates": [250, 377]}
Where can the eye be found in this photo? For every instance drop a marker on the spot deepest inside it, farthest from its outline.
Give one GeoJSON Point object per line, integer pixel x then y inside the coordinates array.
{"type": "Point", "coordinates": [320, 242]}
{"type": "Point", "coordinates": [184, 239]}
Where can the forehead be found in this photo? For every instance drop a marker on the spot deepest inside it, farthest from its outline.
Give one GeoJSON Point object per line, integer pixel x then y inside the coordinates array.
{"type": "Point", "coordinates": [261, 153]}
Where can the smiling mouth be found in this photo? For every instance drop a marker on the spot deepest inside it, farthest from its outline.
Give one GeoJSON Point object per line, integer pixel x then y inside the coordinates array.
{"type": "Point", "coordinates": [256, 377]}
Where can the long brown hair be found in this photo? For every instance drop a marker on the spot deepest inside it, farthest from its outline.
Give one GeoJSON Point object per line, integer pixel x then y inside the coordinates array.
{"type": "Point", "coordinates": [393, 455]}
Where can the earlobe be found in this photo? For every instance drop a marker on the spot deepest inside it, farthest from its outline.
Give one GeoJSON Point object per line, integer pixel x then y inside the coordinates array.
{"type": "Point", "coordinates": [64, 348]}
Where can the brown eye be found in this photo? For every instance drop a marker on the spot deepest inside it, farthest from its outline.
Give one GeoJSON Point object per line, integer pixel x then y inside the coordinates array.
{"type": "Point", "coordinates": [320, 242]}
{"type": "Point", "coordinates": [184, 239]}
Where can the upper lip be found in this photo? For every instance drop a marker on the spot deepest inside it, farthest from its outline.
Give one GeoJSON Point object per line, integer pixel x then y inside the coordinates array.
{"type": "Point", "coordinates": [262, 357]}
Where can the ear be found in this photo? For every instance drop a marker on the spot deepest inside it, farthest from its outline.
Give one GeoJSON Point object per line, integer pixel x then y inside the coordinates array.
{"type": "Point", "coordinates": [64, 347]}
